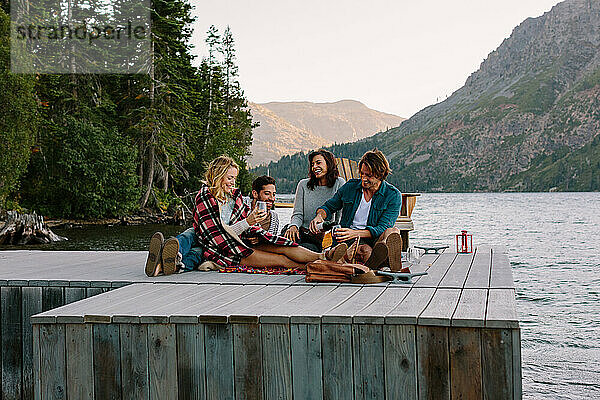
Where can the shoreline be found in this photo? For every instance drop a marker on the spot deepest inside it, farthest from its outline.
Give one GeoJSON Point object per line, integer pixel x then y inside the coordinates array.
{"type": "Point", "coordinates": [129, 220]}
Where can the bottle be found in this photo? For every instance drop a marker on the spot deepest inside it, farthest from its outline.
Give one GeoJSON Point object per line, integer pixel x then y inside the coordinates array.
{"type": "Point", "coordinates": [327, 225]}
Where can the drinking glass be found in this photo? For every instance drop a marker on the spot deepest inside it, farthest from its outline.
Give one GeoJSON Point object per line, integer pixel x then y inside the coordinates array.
{"type": "Point", "coordinates": [261, 205]}
{"type": "Point", "coordinates": [413, 256]}
{"type": "Point", "coordinates": [333, 229]}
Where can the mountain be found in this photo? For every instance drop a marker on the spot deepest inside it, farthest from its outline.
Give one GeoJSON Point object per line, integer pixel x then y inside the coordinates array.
{"type": "Point", "coordinates": [527, 120]}
{"type": "Point", "coordinates": [289, 127]}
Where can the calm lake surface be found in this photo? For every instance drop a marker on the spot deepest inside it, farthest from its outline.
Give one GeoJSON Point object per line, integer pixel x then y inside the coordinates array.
{"type": "Point", "coordinates": [554, 248]}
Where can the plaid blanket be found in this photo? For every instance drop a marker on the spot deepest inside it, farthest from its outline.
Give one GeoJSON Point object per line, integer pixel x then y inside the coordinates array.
{"type": "Point", "coordinates": [220, 246]}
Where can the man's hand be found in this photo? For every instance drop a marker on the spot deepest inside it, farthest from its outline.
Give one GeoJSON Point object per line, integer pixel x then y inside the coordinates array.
{"type": "Point", "coordinates": [256, 216]}
{"type": "Point", "coordinates": [292, 233]}
{"type": "Point", "coordinates": [313, 224]}
{"type": "Point", "coordinates": [343, 234]}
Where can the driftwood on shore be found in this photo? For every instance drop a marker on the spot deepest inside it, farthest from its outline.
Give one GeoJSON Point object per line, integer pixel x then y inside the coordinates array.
{"type": "Point", "coordinates": [21, 229]}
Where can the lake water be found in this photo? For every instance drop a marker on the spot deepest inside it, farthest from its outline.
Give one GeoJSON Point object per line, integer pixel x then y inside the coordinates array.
{"type": "Point", "coordinates": [554, 249]}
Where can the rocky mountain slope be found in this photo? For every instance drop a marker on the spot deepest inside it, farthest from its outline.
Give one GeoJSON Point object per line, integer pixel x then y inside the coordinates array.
{"type": "Point", "coordinates": [527, 120]}
{"type": "Point", "coordinates": [289, 127]}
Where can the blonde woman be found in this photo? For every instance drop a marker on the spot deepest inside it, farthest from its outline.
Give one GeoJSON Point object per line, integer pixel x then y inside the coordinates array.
{"type": "Point", "coordinates": [223, 223]}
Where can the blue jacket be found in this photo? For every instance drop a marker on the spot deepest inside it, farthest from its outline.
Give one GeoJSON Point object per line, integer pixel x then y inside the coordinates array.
{"type": "Point", "coordinates": [385, 206]}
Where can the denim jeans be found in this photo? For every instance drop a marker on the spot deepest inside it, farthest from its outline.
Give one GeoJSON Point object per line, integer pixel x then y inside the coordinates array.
{"type": "Point", "coordinates": [190, 249]}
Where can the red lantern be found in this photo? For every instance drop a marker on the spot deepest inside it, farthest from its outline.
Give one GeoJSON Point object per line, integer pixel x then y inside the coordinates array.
{"type": "Point", "coordinates": [464, 242]}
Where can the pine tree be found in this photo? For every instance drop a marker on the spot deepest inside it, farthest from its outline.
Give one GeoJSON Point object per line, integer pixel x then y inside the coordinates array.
{"type": "Point", "coordinates": [164, 121]}
{"type": "Point", "coordinates": [221, 105]}
{"type": "Point", "coordinates": [231, 72]}
{"type": "Point", "coordinates": [211, 70]}
{"type": "Point", "coordinates": [18, 118]}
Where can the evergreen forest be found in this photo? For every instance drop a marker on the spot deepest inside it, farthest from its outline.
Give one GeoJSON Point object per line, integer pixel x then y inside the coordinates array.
{"type": "Point", "coordinates": [104, 145]}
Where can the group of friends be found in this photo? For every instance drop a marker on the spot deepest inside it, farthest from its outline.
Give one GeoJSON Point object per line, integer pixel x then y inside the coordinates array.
{"type": "Point", "coordinates": [231, 230]}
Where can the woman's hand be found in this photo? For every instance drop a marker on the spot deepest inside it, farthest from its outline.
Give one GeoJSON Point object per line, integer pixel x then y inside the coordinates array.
{"type": "Point", "coordinates": [292, 233]}
{"type": "Point", "coordinates": [313, 224]}
{"type": "Point", "coordinates": [343, 234]}
{"type": "Point", "coordinates": [256, 216]}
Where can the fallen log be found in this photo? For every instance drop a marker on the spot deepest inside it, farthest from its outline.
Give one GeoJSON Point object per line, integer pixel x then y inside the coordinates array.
{"type": "Point", "coordinates": [23, 229]}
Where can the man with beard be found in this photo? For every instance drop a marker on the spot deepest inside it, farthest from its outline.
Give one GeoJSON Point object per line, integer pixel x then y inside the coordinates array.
{"type": "Point", "coordinates": [263, 189]}
{"type": "Point", "coordinates": [370, 207]}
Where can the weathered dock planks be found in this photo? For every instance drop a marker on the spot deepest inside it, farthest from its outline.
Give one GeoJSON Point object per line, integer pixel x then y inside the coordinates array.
{"type": "Point", "coordinates": [452, 334]}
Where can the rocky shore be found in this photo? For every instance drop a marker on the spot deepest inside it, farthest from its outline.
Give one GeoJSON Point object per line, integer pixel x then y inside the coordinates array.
{"type": "Point", "coordinates": [142, 218]}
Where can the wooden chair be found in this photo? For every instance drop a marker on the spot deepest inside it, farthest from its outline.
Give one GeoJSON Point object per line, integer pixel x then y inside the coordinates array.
{"type": "Point", "coordinates": [349, 170]}
{"type": "Point", "coordinates": [404, 221]}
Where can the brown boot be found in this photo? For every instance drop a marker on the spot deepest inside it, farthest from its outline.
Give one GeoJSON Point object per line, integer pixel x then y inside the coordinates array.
{"type": "Point", "coordinates": [394, 245]}
{"type": "Point", "coordinates": [378, 256]}
{"type": "Point", "coordinates": [336, 253]}
{"type": "Point", "coordinates": [153, 261]}
{"type": "Point", "coordinates": [169, 256]}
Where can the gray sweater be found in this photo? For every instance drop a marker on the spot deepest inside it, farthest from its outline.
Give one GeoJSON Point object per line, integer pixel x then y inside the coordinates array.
{"type": "Point", "coordinates": [308, 201]}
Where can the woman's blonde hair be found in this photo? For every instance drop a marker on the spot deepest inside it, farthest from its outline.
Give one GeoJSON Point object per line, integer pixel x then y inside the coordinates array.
{"type": "Point", "coordinates": [216, 172]}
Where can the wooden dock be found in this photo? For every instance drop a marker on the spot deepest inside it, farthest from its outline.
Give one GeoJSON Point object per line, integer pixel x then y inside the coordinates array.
{"type": "Point", "coordinates": [453, 333]}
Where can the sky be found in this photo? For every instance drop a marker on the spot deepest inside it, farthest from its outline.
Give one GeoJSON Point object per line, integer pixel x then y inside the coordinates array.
{"type": "Point", "coordinates": [395, 56]}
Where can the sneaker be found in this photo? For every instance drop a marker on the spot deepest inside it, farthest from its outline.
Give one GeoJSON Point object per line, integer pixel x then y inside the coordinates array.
{"type": "Point", "coordinates": [169, 256]}
{"type": "Point", "coordinates": [153, 261]}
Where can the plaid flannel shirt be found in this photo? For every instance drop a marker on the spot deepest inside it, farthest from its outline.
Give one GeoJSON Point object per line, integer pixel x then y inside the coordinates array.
{"type": "Point", "coordinates": [219, 246]}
